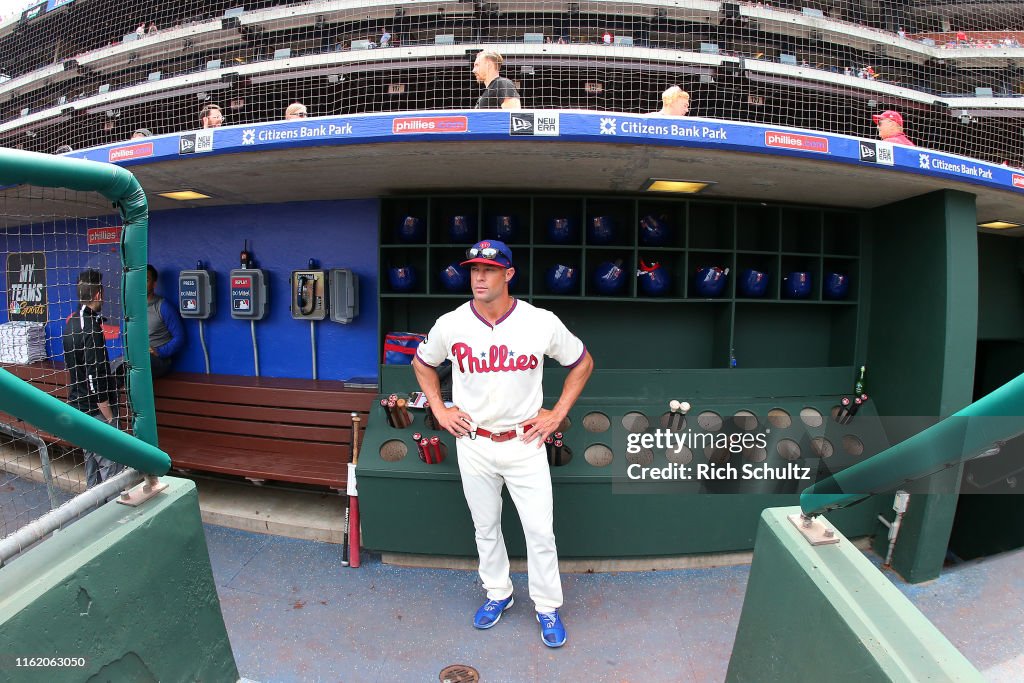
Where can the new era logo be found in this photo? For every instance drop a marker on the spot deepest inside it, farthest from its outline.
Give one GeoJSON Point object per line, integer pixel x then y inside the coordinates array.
{"type": "Point", "coordinates": [867, 152]}
{"type": "Point", "coordinates": [187, 144]}
{"type": "Point", "coordinates": [533, 124]}
{"type": "Point", "coordinates": [520, 124]}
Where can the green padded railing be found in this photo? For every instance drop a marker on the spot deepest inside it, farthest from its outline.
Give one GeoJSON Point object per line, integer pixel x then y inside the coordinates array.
{"type": "Point", "coordinates": [966, 434]}
{"type": "Point", "coordinates": [24, 401]}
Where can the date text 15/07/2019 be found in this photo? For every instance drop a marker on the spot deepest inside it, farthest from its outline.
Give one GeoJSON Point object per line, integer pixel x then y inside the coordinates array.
{"type": "Point", "coordinates": [711, 472]}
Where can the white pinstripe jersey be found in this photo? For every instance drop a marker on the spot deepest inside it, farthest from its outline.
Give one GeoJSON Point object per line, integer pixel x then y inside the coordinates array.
{"type": "Point", "coordinates": [497, 371]}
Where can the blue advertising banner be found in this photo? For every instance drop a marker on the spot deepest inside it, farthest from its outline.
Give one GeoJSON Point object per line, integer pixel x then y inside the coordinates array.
{"type": "Point", "coordinates": [576, 126]}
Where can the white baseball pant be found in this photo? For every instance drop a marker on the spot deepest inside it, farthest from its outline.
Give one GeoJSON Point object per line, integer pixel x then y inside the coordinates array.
{"type": "Point", "coordinates": [485, 466]}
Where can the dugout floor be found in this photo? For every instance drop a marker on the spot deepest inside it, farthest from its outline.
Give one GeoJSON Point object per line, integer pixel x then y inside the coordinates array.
{"type": "Point", "coordinates": [294, 614]}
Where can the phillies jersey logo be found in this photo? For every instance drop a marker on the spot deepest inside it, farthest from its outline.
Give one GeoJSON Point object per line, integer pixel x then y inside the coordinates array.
{"type": "Point", "coordinates": [498, 359]}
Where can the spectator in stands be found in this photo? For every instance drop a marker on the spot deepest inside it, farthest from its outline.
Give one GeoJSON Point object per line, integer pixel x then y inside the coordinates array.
{"type": "Point", "coordinates": [141, 133]}
{"type": "Point", "coordinates": [901, 32]}
{"type": "Point", "coordinates": [675, 102]}
{"type": "Point", "coordinates": [890, 127]}
{"type": "Point", "coordinates": [295, 110]}
{"type": "Point", "coordinates": [92, 389]}
{"type": "Point", "coordinates": [385, 38]}
{"type": "Point", "coordinates": [166, 333]}
{"type": "Point", "coordinates": [152, 28]}
{"type": "Point", "coordinates": [961, 37]}
{"type": "Point", "coordinates": [63, 149]}
{"type": "Point", "coordinates": [499, 93]}
{"type": "Point", "coordinates": [211, 116]}
{"type": "Point", "coordinates": [607, 38]}
{"type": "Point", "coordinates": [141, 30]}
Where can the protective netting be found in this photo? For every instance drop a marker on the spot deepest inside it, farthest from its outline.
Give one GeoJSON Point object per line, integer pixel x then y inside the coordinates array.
{"type": "Point", "coordinates": [92, 72]}
{"type": "Point", "coordinates": [51, 261]}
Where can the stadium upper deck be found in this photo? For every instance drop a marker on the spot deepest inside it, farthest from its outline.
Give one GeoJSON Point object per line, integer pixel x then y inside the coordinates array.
{"type": "Point", "coordinates": [86, 73]}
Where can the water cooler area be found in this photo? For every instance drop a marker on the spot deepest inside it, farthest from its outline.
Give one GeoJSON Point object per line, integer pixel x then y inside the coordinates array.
{"type": "Point", "coordinates": [756, 315]}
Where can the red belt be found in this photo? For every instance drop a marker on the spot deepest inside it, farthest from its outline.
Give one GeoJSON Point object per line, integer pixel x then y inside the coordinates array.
{"type": "Point", "coordinates": [498, 437]}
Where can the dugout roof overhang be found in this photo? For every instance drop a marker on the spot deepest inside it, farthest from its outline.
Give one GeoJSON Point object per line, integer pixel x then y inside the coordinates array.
{"type": "Point", "coordinates": [600, 153]}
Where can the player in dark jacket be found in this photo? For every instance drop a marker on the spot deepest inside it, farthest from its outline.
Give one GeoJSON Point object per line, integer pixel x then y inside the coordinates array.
{"type": "Point", "coordinates": [92, 389]}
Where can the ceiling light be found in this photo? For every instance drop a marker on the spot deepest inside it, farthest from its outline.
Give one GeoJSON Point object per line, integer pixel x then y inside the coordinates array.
{"type": "Point", "coordinates": [998, 225]}
{"type": "Point", "coordinates": [184, 195]}
{"type": "Point", "coordinates": [677, 186]}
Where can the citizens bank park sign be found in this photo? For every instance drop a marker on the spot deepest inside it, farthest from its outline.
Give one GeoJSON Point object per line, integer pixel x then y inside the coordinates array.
{"type": "Point", "coordinates": [556, 125]}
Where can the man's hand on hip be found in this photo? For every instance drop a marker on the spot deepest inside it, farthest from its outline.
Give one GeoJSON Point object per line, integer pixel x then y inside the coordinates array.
{"type": "Point", "coordinates": [544, 424]}
{"type": "Point", "coordinates": [452, 420]}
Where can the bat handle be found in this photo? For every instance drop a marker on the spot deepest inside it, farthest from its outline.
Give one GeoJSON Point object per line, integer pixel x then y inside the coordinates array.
{"type": "Point", "coordinates": [355, 436]}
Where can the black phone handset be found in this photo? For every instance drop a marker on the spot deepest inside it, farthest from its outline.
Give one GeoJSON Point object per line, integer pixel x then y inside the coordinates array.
{"type": "Point", "coordinates": [305, 292]}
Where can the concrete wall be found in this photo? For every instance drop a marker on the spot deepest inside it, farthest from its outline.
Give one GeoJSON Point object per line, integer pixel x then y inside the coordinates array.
{"type": "Point", "coordinates": [826, 613]}
{"type": "Point", "coordinates": [129, 589]}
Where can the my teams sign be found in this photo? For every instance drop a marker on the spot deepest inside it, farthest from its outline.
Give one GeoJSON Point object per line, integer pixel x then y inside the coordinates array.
{"type": "Point", "coordinates": [26, 286]}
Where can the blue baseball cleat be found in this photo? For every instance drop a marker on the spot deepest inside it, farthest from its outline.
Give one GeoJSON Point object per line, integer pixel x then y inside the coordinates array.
{"type": "Point", "coordinates": [491, 611]}
{"type": "Point", "coordinates": [552, 631]}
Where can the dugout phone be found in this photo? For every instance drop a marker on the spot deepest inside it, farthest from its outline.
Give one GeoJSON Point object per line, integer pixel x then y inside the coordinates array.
{"type": "Point", "coordinates": [309, 293]}
{"type": "Point", "coordinates": [344, 288]}
{"type": "Point", "coordinates": [248, 293]}
{"type": "Point", "coordinates": [315, 293]}
{"type": "Point", "coordinates": [195, 294]}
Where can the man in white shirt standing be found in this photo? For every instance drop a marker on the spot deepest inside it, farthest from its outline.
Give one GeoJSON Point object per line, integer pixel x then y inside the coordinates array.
{"type": "Point", "coordinates": [497, 346]}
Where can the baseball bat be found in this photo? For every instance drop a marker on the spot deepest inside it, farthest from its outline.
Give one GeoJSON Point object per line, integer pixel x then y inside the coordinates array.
{"type": "Point", "coordinates": [344, 540]}
{"type": "Point", "coordinates": [844, 406]}
{"type": "Point", "coordinates": [354, 499]}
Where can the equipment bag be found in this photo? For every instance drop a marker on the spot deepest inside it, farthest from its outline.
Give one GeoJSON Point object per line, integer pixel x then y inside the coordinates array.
{"type": "Point", "coordinates": [399, 347]}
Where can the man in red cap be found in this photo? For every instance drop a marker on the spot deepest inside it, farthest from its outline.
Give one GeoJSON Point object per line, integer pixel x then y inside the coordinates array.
{"type": "Point", "coordinates": [890, 128]}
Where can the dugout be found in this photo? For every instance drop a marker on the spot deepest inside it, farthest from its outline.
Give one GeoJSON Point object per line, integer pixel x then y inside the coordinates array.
{"type": "Point", "coordinates": [907, 236]}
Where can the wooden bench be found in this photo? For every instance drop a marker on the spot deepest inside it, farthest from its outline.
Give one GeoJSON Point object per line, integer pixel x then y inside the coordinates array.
{"type": "Point", "coordinates": [51, 377]}
{"type": "Point", "coordinates": [287, 430]}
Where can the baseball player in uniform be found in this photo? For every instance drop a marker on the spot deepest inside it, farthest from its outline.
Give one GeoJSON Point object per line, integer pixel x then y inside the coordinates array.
{"type": "Point", "coordinates": [497, 346]}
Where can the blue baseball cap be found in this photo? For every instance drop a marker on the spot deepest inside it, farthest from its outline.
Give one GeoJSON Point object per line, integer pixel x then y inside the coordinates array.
{"type": "Point", "coordinates": [491, 252]}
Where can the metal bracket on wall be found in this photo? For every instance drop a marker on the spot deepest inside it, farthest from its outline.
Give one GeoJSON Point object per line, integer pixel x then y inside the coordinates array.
{"type": "Point", "coordinates": [814, 529]}
{"type": "Point", "coordinates": [140, 494]}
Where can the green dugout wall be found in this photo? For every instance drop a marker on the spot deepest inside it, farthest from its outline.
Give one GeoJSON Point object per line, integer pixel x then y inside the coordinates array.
{"type": "Point", "coordinates": [128, 590]}
{"type": "Point", "coordinates": [911, 319]}
{"type": "Point", "coordinates": [826, 613]}
{"type": "Point", "coordinates": [921, 347]}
